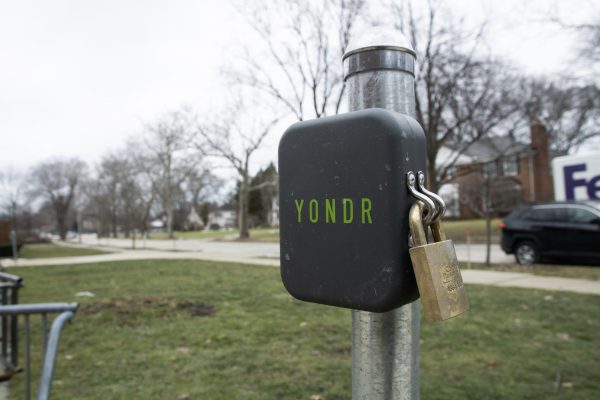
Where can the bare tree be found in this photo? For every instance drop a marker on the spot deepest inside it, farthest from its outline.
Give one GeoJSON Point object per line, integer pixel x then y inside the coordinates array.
{"type": "Point", "coordinates": [169, 157]}
{"type": "Point", "coordinates": [106, 192]}
{"type": "Point", "coordinates": [570, 111]}
{"type": "Point", "coordinates": [114, 196]}
{"type": "Point", "coordinates": [486, 195]}
{"type": "Point", "coordinates": [11, 201]}
{"type": "Point", "coordinates": [11, 191]}
{"type": "Point", "coordinates": [57, 182]}
{"type": "Point", "coordinates": [302, 44]}
{"type": "Point", "coordinates": [235, 138]}
{"type": "Point", "coordinates": [141, 171]}
{"type": "Point", "coordinates": [590, 34]}
{"type": "Point", "coordinates": [462, 94]}
{"type": "Point", "coordinates": [587, 31]}
{"type": "Point", "coordinates": [200, 186]}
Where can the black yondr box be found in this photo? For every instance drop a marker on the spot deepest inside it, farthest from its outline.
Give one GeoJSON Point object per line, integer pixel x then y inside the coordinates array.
{"type": "Point", "coordinates": [344, 209]}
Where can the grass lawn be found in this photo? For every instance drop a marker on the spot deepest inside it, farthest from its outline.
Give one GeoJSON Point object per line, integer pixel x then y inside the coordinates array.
{"type": "Point", "coordinates": [566, 271]}
{"type": "Point", "coordinates": [257, 235]}
{"type": "Point", "coordinates": [49, 250]}
{"type": "Point", "coordinates": [455, 230]}
{"type": "Point", "coordinates": [206, 330]}
{"type": "Point", "coordinates": [264, 235]}
{"type": "Point", "coordinates": [191, 235]}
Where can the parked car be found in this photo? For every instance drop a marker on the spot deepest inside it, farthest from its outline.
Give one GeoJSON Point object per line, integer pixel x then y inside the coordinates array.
{"type": "Point", "coordinates": [568, 230]}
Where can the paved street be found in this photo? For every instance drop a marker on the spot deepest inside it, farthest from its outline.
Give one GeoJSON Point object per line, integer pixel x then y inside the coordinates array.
{"type": "Point", "coordinates": [474, 253]}
{"type": "Point", "coordinates": [268, 254]}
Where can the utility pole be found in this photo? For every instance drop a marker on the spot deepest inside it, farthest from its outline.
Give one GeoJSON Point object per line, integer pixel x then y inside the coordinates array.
{"type": "Point", "coordinates": [379, 72]}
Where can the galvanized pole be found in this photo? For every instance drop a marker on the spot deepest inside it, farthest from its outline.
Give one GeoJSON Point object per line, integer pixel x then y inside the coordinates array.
{"type": "Point", "coordinates": [379, 72]}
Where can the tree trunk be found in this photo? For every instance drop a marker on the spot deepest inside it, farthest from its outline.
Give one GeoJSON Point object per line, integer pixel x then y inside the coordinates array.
{"type": "Point", "coordinates": [169, 210]}
{"type": "Point", "coordinates": [432, 178]}
{"type": "Point", "coordinates": [243, 208]}
{"type": "Point", "coordinates": [488, 221]}
{"type": "Point", "coordinates": [62, 227]}
{"type": "Point", "coordinates": [488, 237]}
{"type": "Point", "coordinates": [79, 227]}
{"type": "Point", "coordinates": [114, 225]}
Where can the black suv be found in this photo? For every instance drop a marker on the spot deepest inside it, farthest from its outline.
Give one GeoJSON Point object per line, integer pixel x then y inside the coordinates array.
{"type": "Point", "coordinates": [559, 230]}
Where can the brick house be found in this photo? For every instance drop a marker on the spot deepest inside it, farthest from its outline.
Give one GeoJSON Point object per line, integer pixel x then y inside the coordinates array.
{"type": "Point", "coordinates": [501, 173]}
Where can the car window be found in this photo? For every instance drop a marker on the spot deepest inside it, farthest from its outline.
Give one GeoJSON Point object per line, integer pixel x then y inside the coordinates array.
{"type": "Point", "coordinates": [547, 214]}
{"type": "Point", "coordinates": [579, 215]}
{"type": "Point", "coordinates": [593, 203]}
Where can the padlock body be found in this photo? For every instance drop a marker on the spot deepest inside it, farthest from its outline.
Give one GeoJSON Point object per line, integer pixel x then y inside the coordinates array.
{"type": "Point", "coordinates": [439, 280]}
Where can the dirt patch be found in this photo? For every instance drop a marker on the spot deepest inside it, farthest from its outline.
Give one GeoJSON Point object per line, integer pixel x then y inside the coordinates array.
{"type": "Point", "coordinates": [197, 309]}
{"type": "Point", "coordinates": [132, 309]}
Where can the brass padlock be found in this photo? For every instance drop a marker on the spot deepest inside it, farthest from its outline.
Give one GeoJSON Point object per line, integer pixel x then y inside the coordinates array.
{"type": "Point", "coordinates": [436, 268]}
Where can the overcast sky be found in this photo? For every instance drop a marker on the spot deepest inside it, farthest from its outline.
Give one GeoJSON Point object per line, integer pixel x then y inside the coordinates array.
{"type": "Point", "coordinates": [78, 77]}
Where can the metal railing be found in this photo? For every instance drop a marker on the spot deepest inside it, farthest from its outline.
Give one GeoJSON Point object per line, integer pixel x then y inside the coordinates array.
{"type": "Point", "coordinates": [65, 312]}
{"type": "Point", "coordinates": [10, 313]}
{"type": "Point", "coordinates": [9, 331]}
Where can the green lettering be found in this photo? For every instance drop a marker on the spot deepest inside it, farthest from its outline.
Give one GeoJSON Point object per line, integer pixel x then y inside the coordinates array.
{"type": "Point", "coordinates": [299, 208]}
{"type": "Point", "coordinates": [313, 212]}
{"type": "Point", "coordinates": [348, 206]}
{"type": "Point", "coordinates": [366, 205]}
{"type": "Point", "coordinates": [330, 211]}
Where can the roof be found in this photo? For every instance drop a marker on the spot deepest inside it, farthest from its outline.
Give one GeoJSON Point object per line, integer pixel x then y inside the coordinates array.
{"type": "Point", "coordinates": [447, 156]}
{"type": "Point", "coordinates": [484, 150]}
{"type": "Point", "coordinates": [491, 148]}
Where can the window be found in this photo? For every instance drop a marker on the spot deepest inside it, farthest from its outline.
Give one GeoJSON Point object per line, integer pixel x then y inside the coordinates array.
{"type": "Point", "coordinates": [510, 166]}
{"type": "Point", "coordinates": [451, 172]}
{"type": "Point", "coordinates": [579, 215]}
{"type": "Point", "coordinates": [550, 214]}
{"type": "Point", "coordinates": [490, 169]}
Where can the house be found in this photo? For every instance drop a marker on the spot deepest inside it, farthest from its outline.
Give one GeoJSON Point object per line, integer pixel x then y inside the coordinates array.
{"type": "Point", "coordinates": [499, 173]}
{"type": "Point", "coordinates": [223, 218]}
{"type": "Point", "coordinates": [193, 221]}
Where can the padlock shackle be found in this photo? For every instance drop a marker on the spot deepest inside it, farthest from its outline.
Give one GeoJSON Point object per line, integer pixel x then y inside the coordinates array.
{"type": "Point", "coordinates": [440, 205]}
{"type": "Point", "coordinates": [427, 203]}
{"type": "Point", "coordinates": [415, 220]}
{"type": "Point", "coordinates": [438, 233]}
{"type": "Point", "coordinates": [417, 229]}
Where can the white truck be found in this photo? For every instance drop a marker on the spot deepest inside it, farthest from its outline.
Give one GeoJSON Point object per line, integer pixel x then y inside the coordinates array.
{"type": "Point", "coordinates": [577, 177]}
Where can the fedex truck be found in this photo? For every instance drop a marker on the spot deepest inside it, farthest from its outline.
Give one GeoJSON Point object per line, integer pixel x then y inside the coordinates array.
{"type": "Point", "coordinates": [577, 177]}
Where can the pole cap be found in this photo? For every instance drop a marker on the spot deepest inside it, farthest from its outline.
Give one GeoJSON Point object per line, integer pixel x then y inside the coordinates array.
{"type": "Point", "coordinates": [380, 39]}
{"type": "Point", "coordinates": [379, 50]}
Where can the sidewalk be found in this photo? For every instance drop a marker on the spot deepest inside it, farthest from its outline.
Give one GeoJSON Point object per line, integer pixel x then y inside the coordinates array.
{"type": "Point", "coordinates": [530, 281]}
{"type": "Point", "coordinates": [261, 255]}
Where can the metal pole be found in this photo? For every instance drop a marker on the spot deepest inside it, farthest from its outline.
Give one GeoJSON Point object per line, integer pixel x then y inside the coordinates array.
{"type": "Point", "coordinates": [14, 326]}
{"type": "Point", "coordinates": [4, 325]}
{"type": "Point", "coordinates": [13, 240]}
{"type": "Point", "coordinates": [50, 354]}
{"type": "Point", "coordinates": [379, 72]}
{"type": "Point", "coordinates": [27, 360]}
{"type": "Point", "coordinates": [13, 232]}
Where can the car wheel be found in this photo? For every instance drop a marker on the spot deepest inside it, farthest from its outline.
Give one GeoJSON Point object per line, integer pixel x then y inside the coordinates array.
{"type": "Point", "coordinates": [526, 253]}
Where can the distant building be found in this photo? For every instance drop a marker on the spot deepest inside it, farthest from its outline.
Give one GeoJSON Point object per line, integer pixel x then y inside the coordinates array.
{"type": "Point", "coordinates": [274, 214]}
{"type": "Point", "coordinates": [157, 225]}
{"type": "Point", "coordinates": [193, 221]}
{"type": "Point", "coordinates": [222, 219]}
{"type": "Point", "coordinates": [502, 172]}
